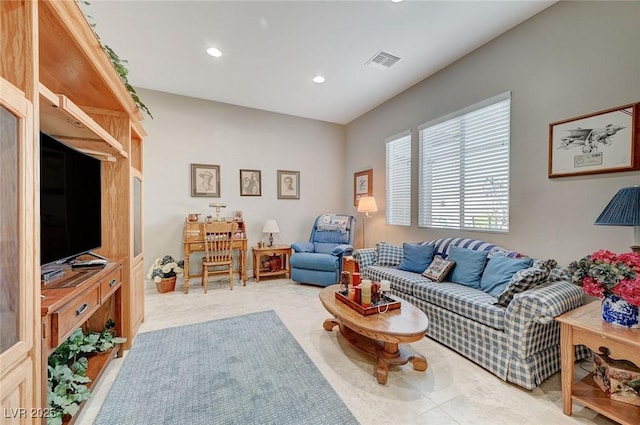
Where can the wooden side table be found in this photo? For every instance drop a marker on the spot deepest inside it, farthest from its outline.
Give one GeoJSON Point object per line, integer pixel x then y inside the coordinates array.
{"type": "Point", "coordinates": [283, 252]}
{"type": "Point", "coordinates": [584, 325]}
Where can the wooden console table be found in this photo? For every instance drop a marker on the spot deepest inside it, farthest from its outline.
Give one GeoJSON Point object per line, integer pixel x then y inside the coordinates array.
{"type": "Point", "coordinates": [193, 241]}
{"type": "Point", "coordinates": [85, 298]}
{"type": "Point", "coordinates": [585, 326]}
{"type": "Point", "coordinates": [281, 251]}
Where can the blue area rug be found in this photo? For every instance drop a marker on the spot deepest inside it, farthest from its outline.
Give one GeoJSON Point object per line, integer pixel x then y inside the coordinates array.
{"type": "Point", "coordinates": [240, 370]}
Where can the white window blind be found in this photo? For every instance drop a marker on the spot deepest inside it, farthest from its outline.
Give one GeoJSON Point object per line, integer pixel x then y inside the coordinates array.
{"type": "Point", "coordinates": [398, 196]}
{"type": "Point", "coordinates": [464, 168]}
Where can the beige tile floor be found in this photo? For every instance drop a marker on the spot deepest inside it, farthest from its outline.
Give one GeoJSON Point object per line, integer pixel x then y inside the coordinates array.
{"type": "Point", "coordinates": [452, 391]}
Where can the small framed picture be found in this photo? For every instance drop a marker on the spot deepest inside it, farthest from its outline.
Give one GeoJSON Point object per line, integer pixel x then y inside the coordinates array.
{"type": "Point", "coordinates": [362, 185]}
{"type": "Point", "coordinates": [601, 142]}
{"type": "Point", "coordinates": [288, 184]}
{"type": "Point", "coordinates": [205, 180]}
{"type": "Point", "coordinates": [250, 183]}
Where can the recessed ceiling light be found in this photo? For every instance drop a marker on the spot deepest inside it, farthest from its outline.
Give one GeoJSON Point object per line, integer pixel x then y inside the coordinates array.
{"type": "Point", "coordinates": [396, 1]}
{"type": "Point", "coordinates": [318, 79]}
{"type": "Point", "coordinates": [216, 53]}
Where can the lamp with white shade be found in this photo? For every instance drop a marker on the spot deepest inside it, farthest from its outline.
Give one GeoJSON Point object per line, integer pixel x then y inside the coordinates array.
{"type": "Point", "coordinates": [366, 205]}
{"type": "Point", "coordinates": [270, 227]}
{"type": "Point", "coordinates": [624, 210]}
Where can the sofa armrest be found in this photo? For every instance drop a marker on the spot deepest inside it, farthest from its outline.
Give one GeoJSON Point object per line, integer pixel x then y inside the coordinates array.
{"type": "Point", "coordinates": [303, 247]}
{"type": "Point", "coordinates": [365, 257]}
{"type": "Point", "coordinates": [343, 249]}
{"type": "Point", "coordinates": [546, 301]}
{"type": "Point", "coordinates": [529, 318]}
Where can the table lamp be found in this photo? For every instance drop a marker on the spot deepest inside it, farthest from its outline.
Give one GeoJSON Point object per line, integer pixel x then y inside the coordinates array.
{"type": "Point", "coordinates": [624, 210]}
{"type": "Point", "coordinates": [366, 205]}
{"type": "Point", "coordinates": [270, 227]}
{"type": "Point", "coordinates": [218, 206]}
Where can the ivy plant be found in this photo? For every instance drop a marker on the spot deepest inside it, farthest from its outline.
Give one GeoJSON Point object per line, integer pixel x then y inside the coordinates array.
{"type": "Point", "coordinates": [67, 370]}
{"type": "Point", "coordinates": [119, 64]}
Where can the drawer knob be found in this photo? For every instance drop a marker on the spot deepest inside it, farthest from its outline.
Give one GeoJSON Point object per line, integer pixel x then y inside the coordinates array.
{"type": "Point", "coordinates": [112, 283]}
{"type": "Point", "coordinates": [81, 309]}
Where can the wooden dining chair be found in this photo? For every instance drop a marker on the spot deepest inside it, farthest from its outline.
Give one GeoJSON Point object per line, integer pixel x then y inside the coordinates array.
{"type": "Point", "coordinates": [218, 259]}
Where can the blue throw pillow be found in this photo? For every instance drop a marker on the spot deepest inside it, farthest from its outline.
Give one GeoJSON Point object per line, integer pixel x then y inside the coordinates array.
{"type": "Point", "coordinates": [499, 271]}
{"type": "Point", "coordinates": [469, 266]}
{"type": "Point", "coordinates": [416, 258]}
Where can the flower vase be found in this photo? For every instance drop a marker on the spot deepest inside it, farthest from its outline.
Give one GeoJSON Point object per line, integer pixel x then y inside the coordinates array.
{"type": "Point", "coordinates": [618, 312]}
{"type": "Point", "coordinates": [167, 284]}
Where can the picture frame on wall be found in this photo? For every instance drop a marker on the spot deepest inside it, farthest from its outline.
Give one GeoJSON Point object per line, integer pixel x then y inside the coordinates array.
{"type": "Point", "coordinates": [250, 183]}
{"type": "Point", "coordinates": [362, 185]}
{"type": "Point", "coordinates": [602, 142]}
{"type": "Point", "coordinates": [205, 180]}
{"type": "Point", "coordinates": [288, 184]}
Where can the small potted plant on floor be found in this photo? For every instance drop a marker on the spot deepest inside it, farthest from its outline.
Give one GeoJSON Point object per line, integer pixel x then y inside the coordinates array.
{"type": "Point", "coordinates": [164, 273]}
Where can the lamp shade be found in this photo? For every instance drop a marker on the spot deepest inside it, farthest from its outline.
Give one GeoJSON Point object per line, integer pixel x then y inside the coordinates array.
{"type": "Point", "coordinates": [623, 209]}
{"type": "Point", "coordinates": [367, 204]}
{"type": "Point", "coordinates": [271, 226]}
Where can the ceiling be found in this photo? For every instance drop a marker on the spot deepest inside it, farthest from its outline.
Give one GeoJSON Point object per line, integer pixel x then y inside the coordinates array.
{"type": "Point", "coordinates": [273, 49]}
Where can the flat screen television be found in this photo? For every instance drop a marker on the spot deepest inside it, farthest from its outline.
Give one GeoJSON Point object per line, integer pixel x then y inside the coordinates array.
{"type": "Point", "coordinates": [70, 202]}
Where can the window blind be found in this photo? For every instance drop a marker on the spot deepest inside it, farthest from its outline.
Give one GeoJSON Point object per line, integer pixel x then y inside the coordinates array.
{"type": "Point", "coordinates": [398, 196]}
{"type": "Point", "coordinates": [464, 168]}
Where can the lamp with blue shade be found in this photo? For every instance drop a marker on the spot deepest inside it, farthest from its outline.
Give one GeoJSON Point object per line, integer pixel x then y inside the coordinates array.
{"type": "Point", "coordinates": [624, 210]}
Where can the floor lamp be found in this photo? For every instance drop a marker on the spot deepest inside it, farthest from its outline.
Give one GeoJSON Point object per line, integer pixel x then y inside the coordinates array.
{"type": "Point", "coordinates": [366, 205]}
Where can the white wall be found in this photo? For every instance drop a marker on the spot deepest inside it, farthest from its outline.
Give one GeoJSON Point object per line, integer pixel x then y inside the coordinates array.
{"type": "Point", "coordinates": [571, 59]}
{"type": "Point", "coordinates": [187, 130]}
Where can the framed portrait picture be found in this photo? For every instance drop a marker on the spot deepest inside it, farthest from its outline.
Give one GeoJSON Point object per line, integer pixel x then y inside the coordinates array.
{"type": "Point", "coordinates": [250, 183]}
{"type": "Point", "coordinates": [603, 142]}
{"type": "Point", "coordinates": [205, 180]}
{"type": "Point", "coordinates": [362, 185]}
{"type": "Point", "coordinates": [288, 184]}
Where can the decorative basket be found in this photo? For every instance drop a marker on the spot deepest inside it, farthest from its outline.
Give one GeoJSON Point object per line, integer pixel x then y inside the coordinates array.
{"type": "Point", "coordinates": [167, 284]}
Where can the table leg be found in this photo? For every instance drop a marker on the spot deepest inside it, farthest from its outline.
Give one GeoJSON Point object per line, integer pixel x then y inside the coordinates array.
{"type": "Point", "coordinates": [567, 359]}
{"type": "Point", "coordinates": [329, 324]}
{"type": "Point", "coordinates": [243, 265]}
{"type": "Point", "coordinates": [186, 271]}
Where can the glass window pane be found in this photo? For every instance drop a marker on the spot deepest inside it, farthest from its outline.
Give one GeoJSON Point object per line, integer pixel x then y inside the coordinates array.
{"type": "Point", "coordinates": [9, 264]}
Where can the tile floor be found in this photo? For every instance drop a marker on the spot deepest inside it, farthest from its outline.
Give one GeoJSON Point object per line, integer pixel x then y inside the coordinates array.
{"type": "Point", "coordinates": [452, 391]}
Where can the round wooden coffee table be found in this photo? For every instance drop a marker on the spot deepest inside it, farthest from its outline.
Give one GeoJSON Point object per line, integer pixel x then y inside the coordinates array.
{"type": "Point", "coordinates": [379, 335]}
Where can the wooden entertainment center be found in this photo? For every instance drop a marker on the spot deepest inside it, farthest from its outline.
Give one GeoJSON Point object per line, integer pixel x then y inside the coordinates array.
{"type": "Point", "coordinates": [56, 78]}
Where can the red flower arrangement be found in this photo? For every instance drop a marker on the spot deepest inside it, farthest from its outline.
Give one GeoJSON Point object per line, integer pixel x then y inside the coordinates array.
{"type": "Point", "coordinates": [606, 273]}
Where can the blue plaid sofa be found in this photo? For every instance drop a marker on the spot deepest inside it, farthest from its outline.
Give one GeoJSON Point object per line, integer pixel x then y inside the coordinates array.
{"type": "Point", "coordinates": [519, 343]}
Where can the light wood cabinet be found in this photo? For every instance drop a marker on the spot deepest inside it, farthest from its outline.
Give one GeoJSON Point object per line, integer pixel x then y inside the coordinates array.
{"type": "Point", "coordinates": [55, 77]}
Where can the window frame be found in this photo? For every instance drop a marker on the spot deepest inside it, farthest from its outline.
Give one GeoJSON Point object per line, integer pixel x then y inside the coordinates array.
{"type": "Point", "coordinates": [397, 212]}
{"type": "Point", "coordinates": [466, 194]}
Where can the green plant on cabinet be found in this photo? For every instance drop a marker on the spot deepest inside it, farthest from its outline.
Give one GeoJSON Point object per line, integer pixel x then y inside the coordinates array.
{"type": "Point", "coordinates": [67, 370]}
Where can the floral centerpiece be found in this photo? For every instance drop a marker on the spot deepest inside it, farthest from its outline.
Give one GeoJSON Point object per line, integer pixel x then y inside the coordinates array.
{"type": "Point", "coordinates": [613, 277]}
{"type": "Point", "coordinates": [165, 269]}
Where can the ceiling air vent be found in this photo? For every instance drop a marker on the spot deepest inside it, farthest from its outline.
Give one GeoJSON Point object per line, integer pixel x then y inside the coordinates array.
{"type": "Point", "coordinates": [382, 60]}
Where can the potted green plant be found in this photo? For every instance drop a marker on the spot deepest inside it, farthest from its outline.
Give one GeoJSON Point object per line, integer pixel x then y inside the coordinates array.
{"type": "Point", "coordinates": [164, 272]}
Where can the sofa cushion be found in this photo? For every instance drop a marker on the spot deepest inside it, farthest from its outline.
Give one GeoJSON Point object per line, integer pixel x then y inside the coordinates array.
{"type": "Point", "coordinates": [438, 269]}
{"type": "Point", "coordinates": [416, 258]}
{"type": "Point", "coordinates": [468, 302]}
{"type": "Point", "coordinates": [314, 261]}
{"type": "Point", "coordinates": [388, 255]}
{"type": "Point", "coordinates": [499, 271]}
{"type": "Point", "coordinates": [401, 280]}
{"type": "Point", "coordinates": [469, 266]}
{"type": "Point", "coordinates": [521, 281]}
